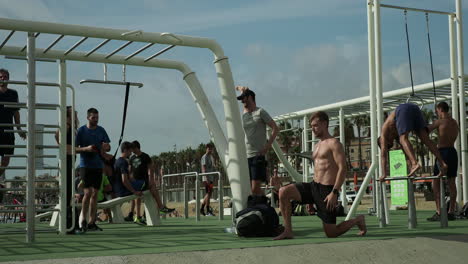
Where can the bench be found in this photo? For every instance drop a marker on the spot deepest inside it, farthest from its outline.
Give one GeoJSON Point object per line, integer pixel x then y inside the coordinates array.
{"type": "Point", "coordinates": [151, 209]}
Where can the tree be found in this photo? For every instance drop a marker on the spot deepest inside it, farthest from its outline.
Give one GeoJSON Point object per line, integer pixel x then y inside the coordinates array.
{"type": "Point", "coordinates": [360, 122]}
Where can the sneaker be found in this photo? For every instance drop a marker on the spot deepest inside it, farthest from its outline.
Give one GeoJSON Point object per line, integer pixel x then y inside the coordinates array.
{"type": "Point", "coordinates": [94, 227]}
{"type": "Point", "coordinates": [451, 216]}
{"type": "Point", "coordinates": [166, 210]}
{"type": "Point", "coordinates": [210, 214]}
{"type": "Point", "coordinates": [202, 212]}
{"type": "Point", "coordinates": [139, 221]}
{"type": "Point", "coordinates": [434, 218]}
{"type": "Point", "coordinates": [84, 227]}
{"type": "Point", "coordinates": [129, 217]}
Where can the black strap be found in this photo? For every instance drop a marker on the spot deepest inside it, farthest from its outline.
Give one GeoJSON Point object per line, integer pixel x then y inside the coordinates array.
{"type": "Point", "coordinates": [409, 53]}
{"type": "Point", "coordinates": [127, 93]}
{"type": "Point", "coordinates": [430, 57]}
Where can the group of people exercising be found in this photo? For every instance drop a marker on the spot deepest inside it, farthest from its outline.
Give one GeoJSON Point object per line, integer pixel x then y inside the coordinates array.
{"type": "Point", "coordinates": [132, 174]}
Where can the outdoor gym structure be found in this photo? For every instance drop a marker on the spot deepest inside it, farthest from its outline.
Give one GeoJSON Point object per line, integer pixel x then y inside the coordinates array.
{"type": "Point", "coordinates": [230, 146]}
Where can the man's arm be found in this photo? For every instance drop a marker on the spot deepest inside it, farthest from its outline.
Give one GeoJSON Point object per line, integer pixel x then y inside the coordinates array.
{"type": "Point", "coordinates": [340, 160]}
{"type": "Point", "coordinates": [383, 158]}
{"type": "Point", "coordinates": [433, 126]}
{"type": "Point", "coordinates": [203, 164]}
{"type": "Point", "coordinates": [274, 133]}
{"type": "Point", "coordinates": [17, 118]}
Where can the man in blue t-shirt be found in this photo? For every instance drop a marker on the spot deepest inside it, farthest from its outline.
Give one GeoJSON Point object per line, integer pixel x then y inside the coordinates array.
{"type": "Point", "coordinates": [91, 140]}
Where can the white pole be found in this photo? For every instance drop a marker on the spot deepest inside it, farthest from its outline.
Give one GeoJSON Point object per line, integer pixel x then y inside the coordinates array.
{"type": "Point", "coordinates": [461, 88]}
{"type": "Point", "coordinates": [455, 111]}
{"type": "Point", "coordinates": [378, 81]}
{"type": "Point", "coordinates": [63, 147]}
{"type": "Point", "coordinates": [344, 201]}
{"type": "Point", "coordinates": [305, 144]}
{"type": "Point", "coordinates": [237, 170]}
{"type": "Point", "coordinates": [31, 144]}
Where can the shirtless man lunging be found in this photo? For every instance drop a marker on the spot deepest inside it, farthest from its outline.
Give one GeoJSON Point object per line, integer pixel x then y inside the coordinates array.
{"type": "Point", "coordinates": [406, 118]}
{"type": "Point", "coordinates": [448, 133]}
{"type": "Point", "coordinates": [330, 171]}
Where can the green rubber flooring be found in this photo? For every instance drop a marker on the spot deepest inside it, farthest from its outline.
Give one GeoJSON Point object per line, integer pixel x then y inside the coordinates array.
{"type": "Point", "coordinates": [178, 234]}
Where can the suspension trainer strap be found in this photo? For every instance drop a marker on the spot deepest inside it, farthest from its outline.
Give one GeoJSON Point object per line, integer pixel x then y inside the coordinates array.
{"type": "Point", "coordinates": [409, 53]}
{"type": "Point", "coordinates": [127, 93]}
{"type": "Point", "coordinates": [430, 57]}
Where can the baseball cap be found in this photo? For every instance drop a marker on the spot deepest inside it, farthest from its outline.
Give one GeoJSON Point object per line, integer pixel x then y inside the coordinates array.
{"type": "Point", "coordinates": [246, 93]}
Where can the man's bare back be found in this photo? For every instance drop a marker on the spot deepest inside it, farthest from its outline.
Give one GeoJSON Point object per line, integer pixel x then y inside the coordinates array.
{"type": "Point", "coordinates": [448, 131]}
{"type": "Point", "coordinates": [325, 165]}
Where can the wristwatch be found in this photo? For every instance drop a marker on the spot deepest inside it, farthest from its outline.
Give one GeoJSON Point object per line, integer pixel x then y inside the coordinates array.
{"type": "Point", "coordinates": [335, 191]}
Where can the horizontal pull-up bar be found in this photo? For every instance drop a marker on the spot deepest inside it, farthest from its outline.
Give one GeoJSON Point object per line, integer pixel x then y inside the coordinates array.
{"type": "Point", "coordinates": [418, 10]}
{"type": "Point", "coordinates": [139, 85]}
{"type": "Point", "coordinates": [24, 58]}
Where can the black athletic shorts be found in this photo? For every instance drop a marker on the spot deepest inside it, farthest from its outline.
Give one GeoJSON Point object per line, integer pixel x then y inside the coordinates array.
{"type": "Point", "coordinates": [257, 168]}
{"type": "Point", "coordinates": [91, 177]}
{"type": "Point", "coordinates": [7, 139]}
{"type": "Point", "coordinates": [315, 193]}
{"type": "Point", "coordinates": [451, 159]}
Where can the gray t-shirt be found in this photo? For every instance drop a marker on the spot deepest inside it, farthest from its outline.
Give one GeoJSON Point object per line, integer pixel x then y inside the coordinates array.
{"type": "Point", "coordinates": [207, 161]}
{"type": "Point", "coordinates": [254, 124]}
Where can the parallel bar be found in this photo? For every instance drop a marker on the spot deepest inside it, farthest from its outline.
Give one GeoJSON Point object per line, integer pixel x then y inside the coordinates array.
{"type": "Point", "coordinates": [97, 47]}
{"type": "Point", "coordinates": [22, 211]}
{"type": "Point", "coordinates": [53, 43]}
{"type": "Point", "coordinates": [25, 189]}
{"type": "Point", "coordinates": [75, 45]}
{"type": "Point", "coordinates": [36, 180]}
{"type": "Point", "coordinates": [159, 53]}
{"type": "Point", "coordinates": [139, 51]}
{"type": "Point", "coordinates": [25, 131]}
{"type": "Point", "coordinates": [418, 9]}
{"type": "Point", "coordinates": [119, 49]}
{"type": "Point", "coordinates": [7, 38]}
{"type": "Point", "coordinates": [24, 125]}
{"type": "Point", "coordinates": [23, 205]}
{"type": "Point", "coordinates": [139, 85]}
{"type": "Point", "coordinates": [24, 105]}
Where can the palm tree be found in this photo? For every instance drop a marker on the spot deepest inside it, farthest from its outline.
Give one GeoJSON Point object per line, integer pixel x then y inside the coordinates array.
{"type": "Point", "coordinates": [359, 122]}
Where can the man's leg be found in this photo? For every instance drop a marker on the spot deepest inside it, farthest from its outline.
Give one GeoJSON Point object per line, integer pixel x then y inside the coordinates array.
{"type": "Point", "coordinates": [138, 207]}
{"type": "Point", "coordinates": [93, 205]}
{"type": "Point", "coordinates": [409, 151]}
{"type": "Point", "coordinates": [422, 134]}
{"type": "Point", "coordinates": [4, 163]}
{"type": "Point", "coordinates": [453, 194]}
{"type": "Point", "coordinates": [333, 230]}
{"type": "Point", "coordinates": [155, 194]}
{"type": "Point", "coordinates": [85, 205]}
{"type": "Point", "coordinates": [256, 186]}
{"type": "Point", "coordinates": [286, 194]}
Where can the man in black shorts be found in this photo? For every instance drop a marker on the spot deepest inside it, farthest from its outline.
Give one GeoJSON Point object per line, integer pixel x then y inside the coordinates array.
{"type": "Point", "coordinates": [141, 168]}
{"type": "Point", "coordinates": [255, 121]}
{"type": "Point", "coordinates": [448, 133]}
{"type": "Point", "coordinates": [329, 175]}
{"type": "Point", "coordinates": [91, 140]}
{"type": "Point", "coordinates": [7, 115]}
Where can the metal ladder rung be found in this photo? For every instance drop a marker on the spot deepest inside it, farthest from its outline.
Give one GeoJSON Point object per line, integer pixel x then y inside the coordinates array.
{"type": "Point", "coordinates": [36, 180]}
{"type": "Point", "coordinates": [24, 189]}
{"type": "Point", "coordinates": [25, 156]}
{"type": "Point", "coordinates": [25, 131]}
{"type": "Point", "coordinates": [24, 146]}
{"type": "Point", "coordinates": [24, 125]}
{"type": "Point", "coordinates": [24, 168]}
{"type": "Point", "coordinates": [24, 105]}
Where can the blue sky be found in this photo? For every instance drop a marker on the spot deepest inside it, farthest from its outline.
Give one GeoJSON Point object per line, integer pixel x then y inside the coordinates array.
{"type": "Point", "coordinates": [294, 54]}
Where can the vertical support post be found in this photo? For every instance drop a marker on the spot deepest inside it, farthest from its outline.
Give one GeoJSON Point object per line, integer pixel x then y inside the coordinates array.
{"type": "Point", "coordinates": [305, 148]}
{"type": "Point", "coordinates": [237, 157]}
{"type": "Point", "coordinates": [186, 211]}
{"type": "Point", "coordinates": [443, 205]}
{"type": "Point", "coordinates": [344, 201]}
{"type": "Point", "coordinates": [197, 198]}
{"type": "Point", "coordinates": [454, 83]}
{"type": "Point", "coordinates": [378, 78]}
{"type": "Point", "coordinates": [163, 194]}
{"type": "Point", "coordinates": [461, 88]}
{"type": "Point", "coordinates": [31, 145]}
{"type": "Point", "coordinates": [220, 196]}
{"type": "Point", "coordinates": [382, 193]}
{"type": "Point", "coordinates": [412, 221]}
{"type": "Point", "coordinates": [312, 165]}
{"type": "Point", "coordinates": [63, 147]}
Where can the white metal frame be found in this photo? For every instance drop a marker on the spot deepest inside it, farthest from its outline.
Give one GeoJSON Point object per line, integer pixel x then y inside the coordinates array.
{"type": "Point", "coordinates": [232, 151]}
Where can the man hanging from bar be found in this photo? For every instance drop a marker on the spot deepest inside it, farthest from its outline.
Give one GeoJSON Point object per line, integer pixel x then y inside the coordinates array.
{"type": "Point", "coordinates": [406, 118]}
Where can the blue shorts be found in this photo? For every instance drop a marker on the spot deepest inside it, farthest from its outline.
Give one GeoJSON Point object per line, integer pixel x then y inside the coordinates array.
{"type": "Point", "coordinates": [257, 168]}
{"type": "Point", "coordinates": [451, 159]}
{"type": "Point", "coordinates": [408, 117]}
{"type": "Point", "coordinates": [138, 185]}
